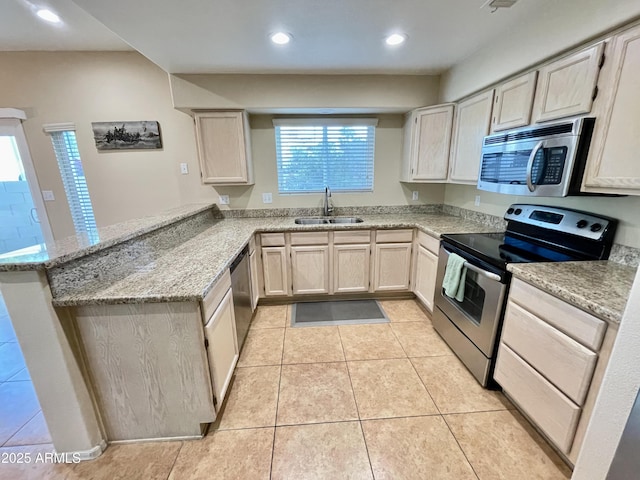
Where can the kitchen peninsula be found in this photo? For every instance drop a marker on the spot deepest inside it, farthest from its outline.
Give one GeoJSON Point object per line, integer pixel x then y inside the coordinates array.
{"type": "Point", "coordinates": [113, 331]}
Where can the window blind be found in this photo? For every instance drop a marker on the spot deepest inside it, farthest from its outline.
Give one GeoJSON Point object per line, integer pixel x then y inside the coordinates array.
{"type": "Point", "coordinates": [314, 153]}
{"type": "Point", "coordinates": [73, 179]}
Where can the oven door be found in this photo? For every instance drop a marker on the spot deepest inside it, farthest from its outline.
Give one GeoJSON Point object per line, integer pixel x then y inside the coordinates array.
{"type": "Point", "coordinates": [479, 313]}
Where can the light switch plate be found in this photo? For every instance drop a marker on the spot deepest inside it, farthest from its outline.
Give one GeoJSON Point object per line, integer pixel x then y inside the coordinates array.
{"type": "Point", "coordinates": [477, 202]}
{"type": "Point", "coordinates": [223, 199]}
{"type": "Point", "coordinates": [414, 195]}
{"type": "Point", "coordinates": [184, 168]}
{"type": "Point", "coordinates": [267, 198]}
{"type": "Point", "coordinates": [48, 196]}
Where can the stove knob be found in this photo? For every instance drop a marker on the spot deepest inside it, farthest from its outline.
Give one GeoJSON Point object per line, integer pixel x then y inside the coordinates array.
{"type": "Point", "coordinates": [596, 227]}
{"type": "Point", "coordinates": [582, 223]}
{"type": "Point", "coordinates": [509, 211]}
{"type": "Point", "coordinates": [518, 211]}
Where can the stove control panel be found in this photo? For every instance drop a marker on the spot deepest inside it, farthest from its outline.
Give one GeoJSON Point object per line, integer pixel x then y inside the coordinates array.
{"type": "Point", "coordinates": [564, 220]}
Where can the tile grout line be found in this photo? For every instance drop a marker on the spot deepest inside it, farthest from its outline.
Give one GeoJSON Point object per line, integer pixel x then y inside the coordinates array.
{"type": "Point", "coordinates": [460, 447]}
{"type": "Point", "coordinates": [176, 459]}
{"type": "Point", "coordinates": [275, 420]}
{"type": "Point", "coordinates": [20, 428]}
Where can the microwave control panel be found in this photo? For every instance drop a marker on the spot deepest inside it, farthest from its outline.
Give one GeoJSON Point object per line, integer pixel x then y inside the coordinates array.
{"type": "Point", "coordinates": [548, 166]}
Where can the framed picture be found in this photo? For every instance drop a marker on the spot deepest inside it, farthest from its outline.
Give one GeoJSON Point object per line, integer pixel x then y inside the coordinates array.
{"type": "Point", "coordinates": [126, 135]}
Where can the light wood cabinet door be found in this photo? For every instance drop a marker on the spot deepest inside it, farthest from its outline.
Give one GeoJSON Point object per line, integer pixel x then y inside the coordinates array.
{"type": "Point", "coordinates": [392, 267]}
{"type": "Point", "coordinates": [222, 347]}
{"type": "Point", "coordinates": [351, 268]}
{"type": "Point", "coordinates": [472, 124]}
{"type": "Point", "coordinates": [567, 87]}
{"type": "Point", "coordinates": [255, 284]}
{"type": "Point", "coordinates": [223, 148]}
{"type": "Point", "coordinates": [544, 404]}
{"type": "Point", "coordinates": [426, 269]}
{"type": "Point", "coordinates": [274, 269]}
{"type": "Point", "coordinates": [431, 139]}
{"type": "Point", "coordinates": [513, 102]}
{"type": "Point", "coordinates": [310, 269]}
{"type": "Point", "coordinates": [613, 165]}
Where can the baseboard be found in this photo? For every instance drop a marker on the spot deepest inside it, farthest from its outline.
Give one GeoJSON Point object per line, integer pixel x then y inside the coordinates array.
{"type": "Point", "coordinates": [162, 439]}
{"type": "Point", "coordinates": [92, 453]}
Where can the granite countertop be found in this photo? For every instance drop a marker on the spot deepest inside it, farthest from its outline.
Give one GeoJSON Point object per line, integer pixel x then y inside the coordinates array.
{"type": "Point", "coordinates": [599, 287]}
{"type": "Point", "coordinates": [70, 248]}
{"type": "Point", "coordinates": [189, 271]}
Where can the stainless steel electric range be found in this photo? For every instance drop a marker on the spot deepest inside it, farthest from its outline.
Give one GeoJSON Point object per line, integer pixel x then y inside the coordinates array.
{"type": "Point", "coordinates": [535, 233]}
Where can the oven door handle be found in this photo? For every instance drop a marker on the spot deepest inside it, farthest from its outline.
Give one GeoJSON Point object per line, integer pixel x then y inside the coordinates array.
{"type": "Point", "coordinates": [478, 270]}
{"type": "Point", "coordinates": [532, 157]}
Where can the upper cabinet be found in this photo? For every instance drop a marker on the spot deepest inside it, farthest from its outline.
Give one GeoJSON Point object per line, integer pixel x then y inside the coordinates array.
{"type": "Point", "coordinates": [426, 144]}
{"type": "Point", "coordinates": [567, 86]}
{"type": "Point", "coordinates": [613, 166]}
{"type": "Point", "coordinates": [473, 119]}
{"type": "Point", "coordinates": [224, 147]}
{"type": "Point", "coordinates": [513, 102]}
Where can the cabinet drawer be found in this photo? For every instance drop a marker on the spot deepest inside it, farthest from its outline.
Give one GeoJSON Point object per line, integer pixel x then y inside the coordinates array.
{"type": "Point", "coordinates": [394, 236]}
{"type": "Point", "coordinates": [546, 406]}
{"type": "Point", "coordinates": [310, 238]}
{"type": "Point", "coordinates": [430, 243]}
{"type": "Point", "coordinates": [215, 296]}
{"type": "Point", "coordinates": [272, 239]}
{"type": "Point", "coordinates": [578, 324]}
{"type": "Point", "coordinates": [359, 236]}
{"type": "Point", "coordinates": [561, 360]}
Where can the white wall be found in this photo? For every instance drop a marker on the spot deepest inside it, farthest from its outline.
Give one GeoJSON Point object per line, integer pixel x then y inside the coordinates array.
{"type": "Point", "coordinates": [557, 26]}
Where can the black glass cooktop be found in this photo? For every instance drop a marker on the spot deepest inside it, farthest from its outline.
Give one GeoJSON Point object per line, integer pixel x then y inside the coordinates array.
{"type": "Point", "coordinates": [498, 249]}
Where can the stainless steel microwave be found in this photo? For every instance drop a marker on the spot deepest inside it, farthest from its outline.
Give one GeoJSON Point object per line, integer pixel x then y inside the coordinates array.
{"type": "Point", "coordinates": [540, 160]}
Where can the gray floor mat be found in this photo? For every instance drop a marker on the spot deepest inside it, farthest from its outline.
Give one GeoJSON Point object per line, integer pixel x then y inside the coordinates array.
{"type": "Point", "coordinates": [343, 312]}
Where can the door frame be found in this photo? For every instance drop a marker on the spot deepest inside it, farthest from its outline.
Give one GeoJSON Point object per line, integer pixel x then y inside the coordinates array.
{"type": "Point", "coordinates": [11, 124]}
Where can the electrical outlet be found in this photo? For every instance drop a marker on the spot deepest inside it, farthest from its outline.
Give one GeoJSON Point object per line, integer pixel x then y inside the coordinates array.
{"type": "Point", "coordinates": [47, 196]}
{"type": "Point", "coordinates": [184, 168]}
{"type": "Point", "coordinates": [267, 198]}
{"type": "Point", "coordinates": [477, 202]}
{"type": "Point", "coordinates": [414, 195]}
{"type": "Point", "coordinates": [223, 199]}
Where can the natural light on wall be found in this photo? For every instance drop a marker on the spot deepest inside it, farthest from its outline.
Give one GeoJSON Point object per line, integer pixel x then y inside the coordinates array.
{"type": "Point", "coordinates": [63, 137]}
{"type": "Point", "coordinates": [335, 152]}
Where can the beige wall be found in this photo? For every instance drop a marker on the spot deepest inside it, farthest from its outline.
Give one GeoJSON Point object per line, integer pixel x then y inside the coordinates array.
{"type": "Point", "coordinates": [302, 93]}
{"type": "Point", "coordinates": [387, 188]}
{"type": "Point", "coordinates": [55, 87]}
{"type": "Point", "coordinates": [557, 26]}
{"type": "Point", "coordinates": [625, 209]}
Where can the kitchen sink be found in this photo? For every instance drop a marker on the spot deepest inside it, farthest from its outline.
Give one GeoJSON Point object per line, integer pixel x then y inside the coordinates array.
{"type": "Point", "coordinates": [326, 220]}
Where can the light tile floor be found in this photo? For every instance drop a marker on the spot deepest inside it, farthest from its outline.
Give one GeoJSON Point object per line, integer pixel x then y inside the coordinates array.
{"type": "Point", "coordinates": [378, 401]}
{"type": "Point", "coordinates": [21, 421]}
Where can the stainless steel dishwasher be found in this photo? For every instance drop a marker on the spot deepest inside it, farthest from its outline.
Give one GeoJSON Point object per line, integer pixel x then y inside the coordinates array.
{"type": "Point", "coordinates": [241, 288]}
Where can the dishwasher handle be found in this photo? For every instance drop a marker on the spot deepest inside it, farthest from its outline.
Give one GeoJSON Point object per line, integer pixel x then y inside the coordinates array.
{"type": "Point", "coordinates": [241, 256]}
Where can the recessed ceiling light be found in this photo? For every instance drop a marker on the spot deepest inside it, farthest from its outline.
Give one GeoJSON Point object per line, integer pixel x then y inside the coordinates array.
{"type": "Point", "coordinates": [48, 15]}
{"type": "Point", "coordinates": [395, 39]}
{"type": "Point", "coordinates": [280, 38]}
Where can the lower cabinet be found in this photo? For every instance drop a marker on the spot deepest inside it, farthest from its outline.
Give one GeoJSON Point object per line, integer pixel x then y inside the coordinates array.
{"type": "Point", "coordinates": [221, 343]}
{"type": "Point", "coordinates": [392, 266]}
{"type": "Point", "coordinates": [351, 268]}
{"type": "Point", "coordinates": [310, 269]}
{"type": "Point", "coordinates": [550, 363]}
{"type": "Point", "coordinates": [425, 283]}
{"type": "Point", "coordinates": [274, 264]}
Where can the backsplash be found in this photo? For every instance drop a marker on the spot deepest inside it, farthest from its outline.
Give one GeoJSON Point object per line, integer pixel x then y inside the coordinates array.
{"type": "Point", "coordinates": [338, 211]}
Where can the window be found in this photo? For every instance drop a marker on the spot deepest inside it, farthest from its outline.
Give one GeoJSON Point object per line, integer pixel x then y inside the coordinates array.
{"type": "Point", "coordinates": [335, 152]}
{"type": "Point", "coordinates": [63, 137]}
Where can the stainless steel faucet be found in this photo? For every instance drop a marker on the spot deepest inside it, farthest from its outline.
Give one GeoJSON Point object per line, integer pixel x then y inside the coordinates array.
{"type": "Point", "coordinates": [328, 209]}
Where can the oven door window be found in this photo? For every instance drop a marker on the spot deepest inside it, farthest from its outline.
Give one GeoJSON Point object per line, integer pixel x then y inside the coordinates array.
{"type": "Point", "coordinates": [472, 304]}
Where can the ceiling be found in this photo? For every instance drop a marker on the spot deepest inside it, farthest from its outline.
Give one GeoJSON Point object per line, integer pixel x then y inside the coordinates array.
{"type": "Point", "coordinates": [231, 36]}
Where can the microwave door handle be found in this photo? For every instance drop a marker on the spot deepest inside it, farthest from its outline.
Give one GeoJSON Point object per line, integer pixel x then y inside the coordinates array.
{"type": "Point", "coordinates": [480, 271]}
{"type": "Point", "coordinates": [532, 157]}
